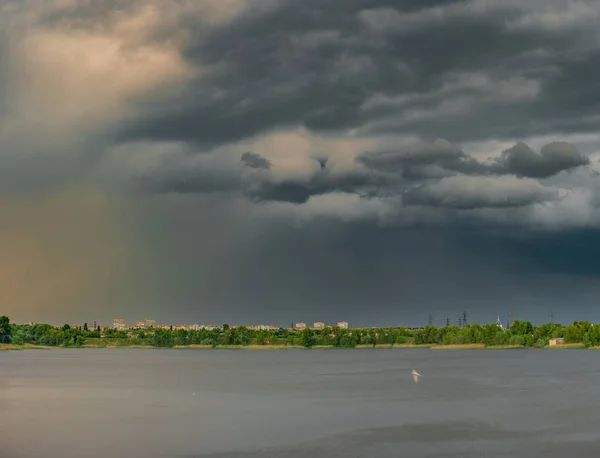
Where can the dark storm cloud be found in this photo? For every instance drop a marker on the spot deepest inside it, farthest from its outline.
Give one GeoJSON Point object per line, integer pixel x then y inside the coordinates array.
{"type": "Point", "coordinates": [416, 161]}
{"type": "Point", "coordinates": [264, 187]}
{"type": "Point", "coordinates": [432, 174]}
{"type": "Point", "coordinates": [320, 65]}
{"type": "Point", "coordinates": [255, 161]}
{"type": "Point", "coordinates": [574, 252]}
{"type": "Point", "coordinates": [553, 158]}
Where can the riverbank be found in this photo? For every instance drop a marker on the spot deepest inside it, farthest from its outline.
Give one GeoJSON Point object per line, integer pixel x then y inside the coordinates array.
{"type": "Point", "coordinates": [8, 347]}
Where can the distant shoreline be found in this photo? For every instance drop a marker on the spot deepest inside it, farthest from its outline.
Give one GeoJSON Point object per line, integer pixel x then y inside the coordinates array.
{"type": "Point", "coordinates": [13, 347]}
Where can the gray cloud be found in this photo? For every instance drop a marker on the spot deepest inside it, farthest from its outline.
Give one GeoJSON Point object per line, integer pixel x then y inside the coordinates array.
{"type": "Point", "coordinates": [553, 158]}
{"type": "Point", "coordinates": [417, 161]}
{"type": "Point", "coordinates": [431, 174]}
{"type": "Point", "coordinates": [385, 67]}
{"type": "Point", "coordinates": [267, 187]}
{"type": "Point", "coordinates": [255, 161]}
{"type": "Point", "coordinates": [463, 192]}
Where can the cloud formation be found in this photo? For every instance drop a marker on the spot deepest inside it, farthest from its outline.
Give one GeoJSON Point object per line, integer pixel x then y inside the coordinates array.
{"type": "Point", "coordinates": [255, 161]}
{"type": "Point", "coordinates": [437, 175]}
{"type": "Point", "coordinates": [553, 158]}
{"type": "Point", "coordinates": [480, 192]}
{"type": "Point", "coordinates": [385, 67]}
{"type": "Point", "coordinates": [386, 74]}
{"type": "Point", "coordinates": [222, 130]}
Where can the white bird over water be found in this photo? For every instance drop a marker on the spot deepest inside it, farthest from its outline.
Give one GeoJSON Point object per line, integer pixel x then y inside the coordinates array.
{"type": "Point", "coordinates": [416, 375]}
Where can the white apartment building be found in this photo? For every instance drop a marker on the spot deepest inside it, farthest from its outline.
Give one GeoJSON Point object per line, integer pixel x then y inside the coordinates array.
{"type": "Point", "coordinates": [150, 323]}
{"type": "Point", "coordinates": [342, 324]}
{"type": "Point", "coordinates": [300, 326]}
{"type": "Point", "coordinates": [319, 325]}
{"type": "Point", "coordinates": [119, 324]}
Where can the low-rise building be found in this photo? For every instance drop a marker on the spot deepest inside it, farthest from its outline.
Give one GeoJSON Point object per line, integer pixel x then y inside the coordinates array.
{"type": "Point", "coordinates": [300, 326]}
{"type": "Point", "coordinates": [150, 323]}
{"type": "Point", "coordinates": [342, 324]}
{"type": "Point", "coordinates": [140, 324]}
{"type": "Point", "coordinates": [319, 325]}
{"type": "Point", "coordinates": [556, 341]}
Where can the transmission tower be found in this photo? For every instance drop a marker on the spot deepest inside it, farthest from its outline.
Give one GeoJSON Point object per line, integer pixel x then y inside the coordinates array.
{"type": "Point", "coordinates": [447, 322]}
{"type": "Point", "coordinates": [464, 318]}
{"type": "Point", "coordinates": [460, 321]}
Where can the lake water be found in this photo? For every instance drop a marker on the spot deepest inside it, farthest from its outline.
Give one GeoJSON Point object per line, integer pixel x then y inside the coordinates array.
{"type": "Point", "coordinates": [331, 403]}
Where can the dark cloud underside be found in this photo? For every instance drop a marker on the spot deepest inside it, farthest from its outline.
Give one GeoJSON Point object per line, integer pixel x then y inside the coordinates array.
{"type": "Point", "coordinates": [306, 63]}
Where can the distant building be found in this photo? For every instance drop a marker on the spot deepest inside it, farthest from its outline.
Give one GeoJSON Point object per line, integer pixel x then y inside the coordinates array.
{"type": "Point", "coordinates": [119, 324]}
{"type": "Point", "coordinates": [342, 324]}
{"type": "Point", "coordinates": [556, 341]}
{"type": "Point", "coordinates": [300, 326]}
{"type": "Point", "coordinates": [193, 327]}
{"type": "Point", "coordinates": [319, 325]}
{"type": "Point", "coordinates": [150, 323]}
{"type": "Point", "coordinates": [258, 327]}
{"type": "Point", "coordinates": [140, 324]}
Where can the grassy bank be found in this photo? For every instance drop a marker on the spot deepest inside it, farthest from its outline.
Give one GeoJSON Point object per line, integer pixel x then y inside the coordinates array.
{"type": "Point", "coordinates": [123, 343]}
{"type": "Point", "coordinates": [460, 347]}
{"type": "Point", "coordinates": [8, 347]}
{"type": "Point", "coordinates": [239, 347]}
{"type": "Point", "coordinates": [570, 346]}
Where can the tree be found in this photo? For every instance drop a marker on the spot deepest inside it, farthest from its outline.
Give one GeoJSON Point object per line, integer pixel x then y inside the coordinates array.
{"type": "Point", "coordinates": [85, 327]}
{"type": "Point", "coordinates": [308, 338]}
{"type": "Point", "coordinates": [163, 338]}
{"type": "Point", "coordinates": [5, 329]}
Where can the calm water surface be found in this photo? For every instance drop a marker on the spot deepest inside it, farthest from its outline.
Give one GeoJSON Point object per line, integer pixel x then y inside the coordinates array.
{"type": "Point", "coordinates": [350, 403]}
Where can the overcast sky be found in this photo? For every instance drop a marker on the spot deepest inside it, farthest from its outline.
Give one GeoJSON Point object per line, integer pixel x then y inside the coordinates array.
{"type": "Point", "coordinates": [276, 161]}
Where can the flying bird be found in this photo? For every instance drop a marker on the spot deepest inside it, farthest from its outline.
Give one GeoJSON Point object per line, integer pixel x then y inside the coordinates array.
{"type": "Point", "coordinates": [416, 375]}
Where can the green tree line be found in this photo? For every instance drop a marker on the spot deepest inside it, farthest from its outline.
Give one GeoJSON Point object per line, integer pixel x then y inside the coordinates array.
{"type": "Point", "coordinates": [521, 333]}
